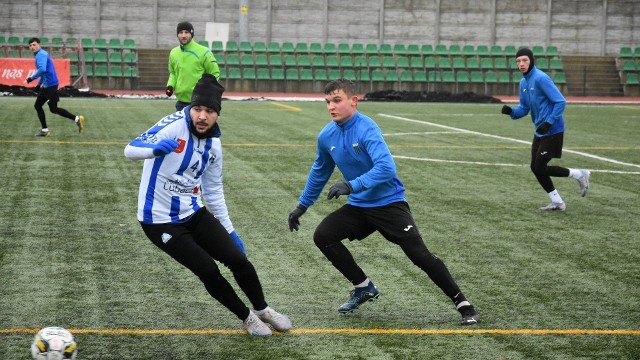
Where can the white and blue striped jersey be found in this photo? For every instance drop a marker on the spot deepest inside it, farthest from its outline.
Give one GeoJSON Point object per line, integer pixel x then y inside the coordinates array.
{"type": "Point", "coordinates": [172, 186]}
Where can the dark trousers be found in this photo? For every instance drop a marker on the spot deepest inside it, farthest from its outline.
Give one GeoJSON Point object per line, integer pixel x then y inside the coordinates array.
{"type": "Point", "coordinates": [543, 150]}
{"type": "Point", "coordinates": [197, 244]}
{"type": "Point", "coordinates": [50, 94]}
{"type": "Point", "coordinates": [395, 222]}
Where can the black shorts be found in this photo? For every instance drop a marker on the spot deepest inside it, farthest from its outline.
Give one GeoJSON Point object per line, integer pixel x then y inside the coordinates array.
{"type": "Point", "coordinates": [547, 146]}
{"type": "Point", "coordinates": [394, 221]}
{"type": "Point", "coordinates": [50, 93]}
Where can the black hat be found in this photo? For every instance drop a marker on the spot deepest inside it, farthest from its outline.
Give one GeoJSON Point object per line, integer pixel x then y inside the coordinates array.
{"type": "Point", "coordinates": [526, 52]}
{"type": "Point", "coordinates": [185, 26]}
{"type": "Point", "coordinates": [208, 92]}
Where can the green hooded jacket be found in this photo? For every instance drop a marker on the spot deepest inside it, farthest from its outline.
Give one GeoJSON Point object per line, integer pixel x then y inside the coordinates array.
{"type": "Point", "coordinates": [187, 63]}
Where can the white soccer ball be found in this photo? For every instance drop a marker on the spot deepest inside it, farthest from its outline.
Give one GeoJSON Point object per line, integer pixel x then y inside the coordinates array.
{"type": "Point", "coordinates": [54, 343]}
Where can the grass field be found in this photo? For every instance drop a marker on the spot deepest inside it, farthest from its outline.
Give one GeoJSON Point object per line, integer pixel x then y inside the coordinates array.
{"type": "Point", "coordinates": [547, 285]}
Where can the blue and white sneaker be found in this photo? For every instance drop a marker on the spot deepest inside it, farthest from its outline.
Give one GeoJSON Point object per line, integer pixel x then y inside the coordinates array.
{"type": "Point", "coordinates": [360, 296]}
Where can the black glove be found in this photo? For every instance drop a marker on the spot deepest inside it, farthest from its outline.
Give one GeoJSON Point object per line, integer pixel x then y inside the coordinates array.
{"type": "Point", "coordinates": [37, 88]}
{"type": "Point", "coordinates": [506, 110]}
{"type": "Point", "coordinates": [169, 90]}
{"type": "Point", "coordinates": [544, 128]}
{"type": "Point", "coordinates": [29, 79]}
{"type": "Point", "coordinates": [294, 217]}
{"type": "Point", "coordinates": [338, 189]}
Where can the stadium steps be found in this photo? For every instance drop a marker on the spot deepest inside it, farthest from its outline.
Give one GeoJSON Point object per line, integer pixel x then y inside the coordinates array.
{"type": "Point", "coordinates": [153, 71]}
{"type": "Point", "coordinates": [592, 76]}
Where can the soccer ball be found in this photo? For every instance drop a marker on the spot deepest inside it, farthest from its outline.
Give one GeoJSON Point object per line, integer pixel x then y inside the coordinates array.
{"type": "Point", "coordinates": [54, 343]}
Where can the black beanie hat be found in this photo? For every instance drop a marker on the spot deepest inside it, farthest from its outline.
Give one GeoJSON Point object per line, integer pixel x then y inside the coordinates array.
{"type": "Point", "coordinates": [208, 92]}
{"type": "Point", "coordinates": [185, 26]}
{"type": "Point", "coordinates": [526, 52]}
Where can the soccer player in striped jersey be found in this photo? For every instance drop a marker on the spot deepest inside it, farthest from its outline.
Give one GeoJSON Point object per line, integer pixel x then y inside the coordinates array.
{"type": "Point", "coordinates": [183, 165]}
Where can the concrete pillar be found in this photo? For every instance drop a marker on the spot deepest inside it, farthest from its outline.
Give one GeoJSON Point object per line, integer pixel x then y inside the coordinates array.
{"type": "Point", "coordinates": [243, 21]}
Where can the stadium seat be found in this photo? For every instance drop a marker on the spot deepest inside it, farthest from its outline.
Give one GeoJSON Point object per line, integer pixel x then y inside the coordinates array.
{"type": "Point", "coordinates": [246, 60]}
{"type": "Point", "coordinates": [71, 42]}
{"type": "Point", "coordinates": [101, 71]}
{"type": "Point", "coordinates": [538, 51]}
{"type": "Point", "coordinates": [625, 52]}
{"type": "Point", "coordinates": [371, 49]}
{"type": "Point", "coordinates": [377, 75]}
{"type": "Point", "coordinates": [130, 72]}
{"type": "Point", "coordinates": [116, 45]}
{"type": "Point", "coordinates": [73, 70]}
{"type": "Point", "coordinates": [628, 65]}
{"type": "Point", "coordinates": [491, 77]}
{"type": "Point", "coordinates": [402, 62]}
{"type": "Point", "coordinates": [232, 60]}
{"type": "Point", "coordinates": [542, 63]}
{"type": "Point", "coordinates": [391, 76]}
{"type": "Point", "coordinates": [482, 51]}
{"type": "Point", "coordinates": [458, 62]}
{"type": "Point", "coordinates": [448, 77]}
{"type": "Point", "coordinates": [374, 62]}
{"type": "Point", "coordinates": [555, 64]}
{"type": "Point", "coordinates": [261, 60]}
{"type": "Point", "coordinates": [636, 52]}
{"type": "Point", "coordinates": [263, 74]}
{"type": "Point", "coordinates": [559, 78]}
{"type": "Point", "coordinates": [441, 50]}
{"type": "Point", "coordinates": [115, 58]}
{"type": "Point", "coordinates": [357, 49]}
{"type": "Point", "coordinates": [245, 47]}
{"type": "Point", "coordinates": [416, 62]}
{"type": "Point", "coordinates": [87, 43]}
{"type": "Point", "coordinates": [259, 47]}
{"type": "Point", "coordinates": [430, 63]}
{"type": "Point", "coordinates": [516, 77]}
{"type": "Point", "coordinates": [304, 61]}
{"type": "Point", "coordinates": [388, 62]}
{"type": "Point", "coordinates": [100, 57]}
{"type": "Point", "coordinates": [496, 50]}
{"type": "Point", "coordinates": [420, 76]}
{"type": "Point", "coordinates": [551, 52]}
{"type": "Point", "coordinates": [287, 48]}
{"type": "Point", "coordinates": [2, 40]}
{"type": "Point", "coordinates": [318, 61]}
{"type": "Point", "coordinates": [290, 61]}
{"type": "Point", "coordinates": [234, 73]}
{"type": "Point", "coordinates": [72, 56]}
{"type": "Point", "coordinates": [426, 50]}
{"type": "Point", "coordinates": [632, 79]}
{"type": "Point", "coordinates": [334, 74]}
{"type": "Point", "coordinates": [385, 49]}
{"type": "Point", "coordinates": [231, 46]}
{"type": "Point", "coordinates": [504, 77]}
{"type": "Point", "coordinates": [57, 42]}
{"type": "Point", "coordinates": [473, 63]}
{"type": "Point", "coordinates": [315, 48]}
{"type": "Point", "coordinates": [100, 43]}
{"type": "Point", "coordinates": [129, 44]}
{"type": "Point", "coordinates": [273, 48]}
{"type": "Point", "coordinates": [249, 73]}
{"type": "Point", "coordinates": [329, 48]}
{"type": "Point", "coordinates": [277, 74]}
{"type": "Point", "coordinates": [399, 49]}
{"type": "Point", "coordinates": [343, 49]}
{"type": "Point", "coordinates": [510, 51]}
{"type": "Point", "coordinates": [406, 76]}
{"type": "Point", "coordinates": [217, 47]}
{"type": "Point", "coordinates": [89, 70]}
{"type": "Point", "coordinates": [306, 75]}
{"type": "Point", "coordinates": [363, 75]}
{"type": "Point", "coordinates": [413, 50]}
{"type": "Point", "coordinates": [320, 75]}
{"type": "Point", "coordinates": [462, 77]}
{"type": "Point", "coordinates": [346, 62]}
{"type": "Point", "coordinates": [434, 76]}
{"type": "Point", "coordinates": [115, 71]}
{"type": "Point", "coordinates": [455, 50]}
{"type": "Point", "coordinates": [301, 48]}
{"type": "Point", "coordinates": [444, 63]}
{"type": "Point", "coordinates": [275, 61]}
{"type": "Point", "coordinates": [349, 74]}
{"type": "Point", "coordinates": [477, 77]}
{"type": "Point", "coordinates": [468, 50]}
{"type": "Point", "coordinates": [332, 61]}
{"type": "Point", "coordinates": [500, 64]}
{"type": "Point", "coordinates": [88, 57]}
{"type": "Point", "coordinates": [360, 61]}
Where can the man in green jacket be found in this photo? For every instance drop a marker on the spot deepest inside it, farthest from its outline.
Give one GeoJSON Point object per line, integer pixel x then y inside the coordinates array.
{"type": "Point", "coordinates": [187, 63]}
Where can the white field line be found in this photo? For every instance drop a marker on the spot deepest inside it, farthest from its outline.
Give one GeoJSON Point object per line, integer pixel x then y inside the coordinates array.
{"type": "Point", "coordinates": [423, 133]}
{"type": "Point", "coordinates": [601, 158]}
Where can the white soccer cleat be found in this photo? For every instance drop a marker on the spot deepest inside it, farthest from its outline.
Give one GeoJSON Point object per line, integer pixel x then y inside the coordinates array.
{"type": "Point", "coordinates": [255, 326]}
{"type": "Point", "coordinates": [279, 321]}
{"type": "Point", "coordinates": [554, 207]}
{"type": "Point", "coordinates": [583, 181]}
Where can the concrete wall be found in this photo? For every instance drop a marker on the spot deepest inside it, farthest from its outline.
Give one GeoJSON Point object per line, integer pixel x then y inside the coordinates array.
{"type": "Point", "coordinates": [582, 27]}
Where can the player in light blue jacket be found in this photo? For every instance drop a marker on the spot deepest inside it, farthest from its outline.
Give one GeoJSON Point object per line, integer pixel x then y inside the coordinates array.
{"type": "Point", "coordinates": [353, 142]}
{"type": "Point", "coordinates": [540, 97]}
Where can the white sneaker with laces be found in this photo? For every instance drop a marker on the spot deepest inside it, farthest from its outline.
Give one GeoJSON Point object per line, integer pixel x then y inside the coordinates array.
{"type": "Point", "coordinates": [255, 326]}
{"type": "Point", "coordinates": [279, 321]}
{"type": "Point", "coordinates": [554, 207]}
{"type": "Point", "coordinates": [583, 181]}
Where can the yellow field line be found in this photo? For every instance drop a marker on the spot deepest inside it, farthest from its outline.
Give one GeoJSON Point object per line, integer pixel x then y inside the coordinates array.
{"type": "Point", "coordinates": [288, 107]}
{"type": "Point", "coordinates": [624, 332]}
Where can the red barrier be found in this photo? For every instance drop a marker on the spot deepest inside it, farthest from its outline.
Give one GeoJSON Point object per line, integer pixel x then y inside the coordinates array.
{"type": "Point", "coordinates": [15, 71]}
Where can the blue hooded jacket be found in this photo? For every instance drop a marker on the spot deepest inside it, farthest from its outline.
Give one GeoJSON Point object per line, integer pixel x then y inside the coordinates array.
{"type": "Point", "coordinates": [46, 71]}
{"type": "Point", "coordinates": [541, 96]}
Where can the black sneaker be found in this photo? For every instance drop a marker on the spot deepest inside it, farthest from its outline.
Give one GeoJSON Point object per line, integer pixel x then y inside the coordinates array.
{"type": "Point", "coordinates": [43, 133]}
{"type": "Point", "coordinates": [469, 315]}
{"type": "Point", "coordinates": [360, 296]}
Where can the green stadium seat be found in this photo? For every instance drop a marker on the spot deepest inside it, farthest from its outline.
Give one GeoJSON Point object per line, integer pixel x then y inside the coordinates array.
{"type": "Point", "coordinates": [273, 48]}
{"type": "Point", "coordinates": [444, 63]}
{"type": "Point", "coordinates": [292, 74]}
{"type": "Point", "coordinates": [559, 78]}
{"type": "Point", "coordinates": [360, 61]}
{"type": "Point", "coordinates": [420, 76]}
{"type": "Point", "coordinates": [130, 72]}
{"type": "Point", "coordinates": [246, 60]}
{"type": "Point", "coordinates": [385, 49]}
{"type": "Point", "coordinates": [259, 47]}
{"type": "Point", "coordinates": [430, 63]}
{"type": "Point", "coordinates": [287, 48]}
{"type": "Point", "coordinates": [473, 63]}
{"type": "Point", "coordinates": [87, 43]}
{"type": "Point", "coordinates": [402, 62]}
{"type": "Point", "coordinates": [245, 47]}
{"type": "Point", "coordinates": [462, 77]}
{"type": "Point", "coordinates": [413, 50]}
{"type": "Point", "coordinates": [290, 61]}
{"type": "Point", "coordinates": [349, 74]}
{"type": "Point", "coordinates": [115, 71]}
{"type": "Point", "coordinates": [538, 51]}
{"type": "Point", "coordinates": [477, 77]}
{"type": "Point", "coordinates": [628, 65]}
{"type": "Point", "coordinates": [343, 49]}
{"type": "Point", "coordinates": [334, 74]}
{"type": "Point", "coordinates": [329, 48]}
{"type": "Point", "coordinates": [510, 51]}
{"type": "Point", "coordinates": [101, 71]}
{"type": "Point", "coordinates": [304, 61]}
{"type": "Point", "coordinates": [455, 50]}
{"type": "Point", "coordinates": [448, 77]}
{"type": "Point", "coordinates": [468, 50]}
{"type": "Point", "coordinates": [406, 76]}
{"type": "Point", "coordinates": [363, 75]}
{"type": "Point", "coordinates": [551, 52]}
{"type": "Point", "coordinates": [115, 58]}
{"type": "Point", "coordinates": [73, 70]}
{"type": "Point", "coordinates": [434, 76]}
{"type": "Point", "coordinates": [504, 77]}
{"type": "Point", "coordinates": [426, 50]}
{"type": "Point", "coordinates": [275, 61]}
{"type": "Point", "coordinates": [399, 49]}
{"type": "Point", "coordinates": [301, 48]}
{"type": "Point", "coordinates": [357, 49]}
{"type": "Point", "coordinates": [332, 61]}
{"type": "Point", "coordinates": [71, 42]}
{"type": "Point", "coordinates": [13, 41]}
{"type": "Point", "coordinates": [377, 75]}
{"type": "Point", "coordinates": [496, 50]}
{"type": "Point", "coordinates": [632, 79]}
{"type": "Point", "coordinates": [2, 40]}
{"type": "Point", "coordinates": [232, 60]}
{"type": "Point", "coordinates": [556, 64]}
{"type": "Point", "coordinates": [100, 43]}
{"type": "Point", "coordinates": [512, 63]}
{"type": "Point", "coordinates": [636, 52]}
{"type": "Point", "coordinates": [88, 57]}
{"type": "Point", "coordinates": [231, 46]}
{"type": "Point", "coordinates": [57, 42]}
{"type": "Point", "coordinates": [234, 73]}
{"type": "Point", "coordinates": [625, 52]}
{"type": "Point", "coordinates": [115, 44]}
{"type": "Point", "coordinates": [306, 75]}
{"type": "Point", "coordinates": [483, 51]}
{"type": "Point", "coordinates": [542, 63]}
{"type": "Point", "coordinates": [277, 74]}
{"type": "Point", "coordinates": [374, 62]}
{"type": "Point", "coordinates": [315, 48]}
{"type": "Point", "coordinates": [371, 49]}
{"type": "Point", "coordinates": [516, 77]}
{"type": "Point", "coordinates": [388, 62]}
{"type": "Point", "coordinates": [441, 50]}
{"type": "Point", "coordinates": [263, 74]}
{"type": "Point", "coordinates": [73, 56]}
{"type": "Point", "coordinates": [261, 60]}
{"type": "Point", "coordinates": [217, 46]}
{"type": "Point", "coordinates": [100, 57]}
{"type": "Point", "coordinates": [89, 70]}
{"type": "Point", "coordinates": [346, 62]}
{"type": "Point", "coordinates": [318, 62]}
{"type": "Point", "coordinates": [490, 77]}
{"type": "Point", "coordinates": [223, 73]}
{"type": "Point", "coordinates": [500, 64]}
{"type": "Point", "coordinates": [129, 44]}
{"type": "Point", "coordinates": [416, 62]}
{"type": "Point", "coordinates": [320, 75]}
{"type": "Point", "coordinates": [391, 76]}
{"type": "Point", "coordinates": [44, 41]}
{"type": "Point", "coordinates": [459, 63]}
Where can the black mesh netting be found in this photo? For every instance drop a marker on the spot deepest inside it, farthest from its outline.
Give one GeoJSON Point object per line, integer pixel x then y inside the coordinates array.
{"type": "Point", "coordinates": [66, 91]}
{"type": "Point", "coordinates": [423, 96]}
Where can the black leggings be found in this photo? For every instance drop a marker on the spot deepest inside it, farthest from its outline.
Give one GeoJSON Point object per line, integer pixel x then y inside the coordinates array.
{"type": "Point", "coordinates": [50, 94]}
{"type": "Point", "coordinates": [543, 150]}
{"type": "Point", "coordinates": [199, 241]}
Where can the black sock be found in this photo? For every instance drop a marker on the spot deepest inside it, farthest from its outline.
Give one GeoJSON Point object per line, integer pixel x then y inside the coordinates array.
{"type": "Point", "coordinates": [459, 298]}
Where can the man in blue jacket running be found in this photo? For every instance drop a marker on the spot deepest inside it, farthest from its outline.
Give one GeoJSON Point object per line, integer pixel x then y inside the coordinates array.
{"type": "Point", "coordinates": [353, 142]}
{"type": "Point", "coordinates": [540, 95]}
{"type": "Point", "coordinates": [47, 88]}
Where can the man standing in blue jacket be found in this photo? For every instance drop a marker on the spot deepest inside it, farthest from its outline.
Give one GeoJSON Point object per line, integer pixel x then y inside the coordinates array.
{"type": "Point", "coordinates": [540, 95]}
{"type": "Point", "coordinates": [47, 88]}
{"type": "Point", "coordinates": [353, 142]}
